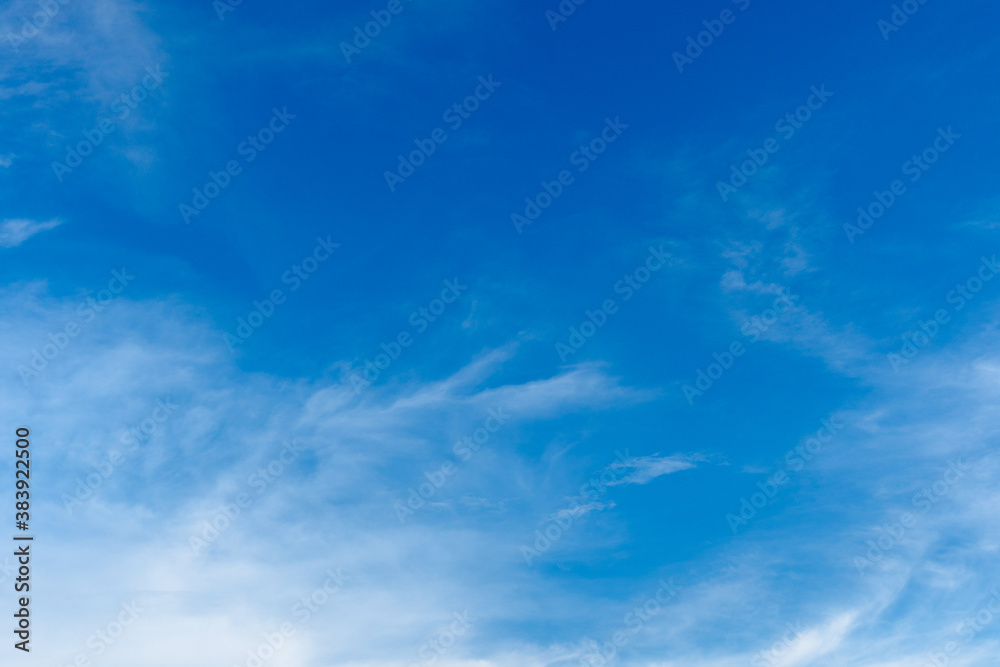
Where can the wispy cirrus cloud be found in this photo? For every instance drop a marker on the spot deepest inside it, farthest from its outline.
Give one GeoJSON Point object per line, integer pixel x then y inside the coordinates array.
{"type": "Point", "coordinates": [14, 232]}
{"type": "Point", "coordinates": [581, 510]}
{"type": "Point", "coordinates": [644, 469]}
{"type": "Point", "coordinates": [359, 454]}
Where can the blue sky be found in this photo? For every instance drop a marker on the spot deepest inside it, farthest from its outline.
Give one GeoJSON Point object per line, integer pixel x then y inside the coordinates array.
{"type": "Point", "coordinates": [690, 381]}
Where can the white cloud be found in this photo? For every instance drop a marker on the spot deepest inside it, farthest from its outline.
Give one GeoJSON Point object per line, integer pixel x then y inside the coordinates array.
{"type": "Point", "coordinates": [580, 510]}
{"type": "Point", "coordinates": [17, 231]}
{"type": "Point", "coordinates": [333, 510]}
{"type": "Point", "coordinates": [816, 642]}
{"type": "Point", "coordinates": [364, 452]}
{"type": "Point", "coordinates": [647, 468]}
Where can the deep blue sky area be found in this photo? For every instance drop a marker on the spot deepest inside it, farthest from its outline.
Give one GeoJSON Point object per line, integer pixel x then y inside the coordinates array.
{"type": "Point", "coordinates": [708, 284]}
